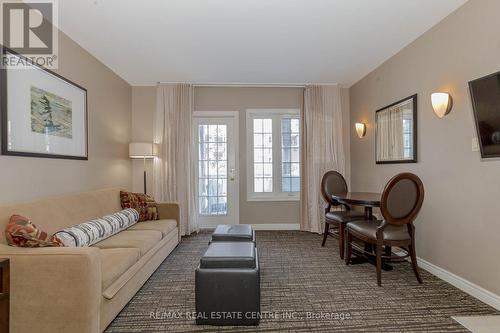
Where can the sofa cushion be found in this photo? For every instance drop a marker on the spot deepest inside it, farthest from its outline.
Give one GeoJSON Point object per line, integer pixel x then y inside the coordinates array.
{"type": "Point", "coordinates": [115, 262]}
{"type": "Point", "coordinates": [21, 232]}
{"type": "Point", "coordinates": [143, 203]}
{"type": "Point", "coordinates": [91, 232]}
{"type": "Point", "coordinates": [163, 226]}
{"type": "Point", "coordinates": [143, 240]}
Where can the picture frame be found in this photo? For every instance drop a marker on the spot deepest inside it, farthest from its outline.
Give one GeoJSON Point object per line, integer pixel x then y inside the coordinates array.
{"type": "Point", "coordinates": [42, 114]}
{"type": "Point", "coordinates": [395, 147]}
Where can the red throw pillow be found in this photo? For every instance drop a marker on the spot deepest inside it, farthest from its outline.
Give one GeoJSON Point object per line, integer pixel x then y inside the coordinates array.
{"type": "Point", "coordinates": [143, 203]}
{"type": "Point", "coordinates": [21, 232]}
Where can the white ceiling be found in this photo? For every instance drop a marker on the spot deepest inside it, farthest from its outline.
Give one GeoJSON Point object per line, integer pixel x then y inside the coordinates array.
{"type": "Point", "coordinates": [247, 41]}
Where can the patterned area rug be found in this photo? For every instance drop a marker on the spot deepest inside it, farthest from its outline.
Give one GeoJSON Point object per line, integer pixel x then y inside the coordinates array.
{"type": "Point", "coordinates": [304, 288]}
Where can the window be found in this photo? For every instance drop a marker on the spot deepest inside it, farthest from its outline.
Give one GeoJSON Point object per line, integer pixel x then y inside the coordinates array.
{"type": "Point", "coordinates": [273, 153]}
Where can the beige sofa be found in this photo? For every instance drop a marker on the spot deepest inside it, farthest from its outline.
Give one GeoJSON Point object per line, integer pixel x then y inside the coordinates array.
{"type": "Point", "coordinates": [61, 289]}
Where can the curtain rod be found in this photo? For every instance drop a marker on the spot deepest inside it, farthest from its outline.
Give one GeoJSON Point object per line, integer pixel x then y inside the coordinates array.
{"type": "Point", "coordinates": [242, 85]}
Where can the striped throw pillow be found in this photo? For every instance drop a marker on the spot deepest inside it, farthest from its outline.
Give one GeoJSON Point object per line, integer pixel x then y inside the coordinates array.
{"type": "Point", "coordinates": [94, 231]}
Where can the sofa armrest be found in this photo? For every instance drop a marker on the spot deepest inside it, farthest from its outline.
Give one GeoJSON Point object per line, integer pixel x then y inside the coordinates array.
{"type": "Point", "coordinates": [170, 210]}
{"type": "Point", "coordinates": [54, 289]}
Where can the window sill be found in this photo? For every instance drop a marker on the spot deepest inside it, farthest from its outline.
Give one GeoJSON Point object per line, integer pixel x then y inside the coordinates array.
{"type": "Point", "coordinates": [274, 198]}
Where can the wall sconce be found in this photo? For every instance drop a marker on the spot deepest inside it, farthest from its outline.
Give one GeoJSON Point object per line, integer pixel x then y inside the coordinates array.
{"type": "Point", "coordinates": [441, 103]}
{"type": "Point", "coordinates": [360, 129]}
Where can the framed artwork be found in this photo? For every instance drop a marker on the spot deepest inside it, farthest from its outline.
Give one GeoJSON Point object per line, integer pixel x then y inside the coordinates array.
{"type": "Point", "coordinates": [42, 113]}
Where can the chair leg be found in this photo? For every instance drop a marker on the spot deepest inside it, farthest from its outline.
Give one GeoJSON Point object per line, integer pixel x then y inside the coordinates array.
{"type": "Point", "coordinates": [348, 242]}
{"type": "Point", "coordinates": [378, 251]}
{"type": "Point", "coordinates": [413, 256]}
{"type": "Point", "coordinates": [341, 240]}
{"type": "Point", "coordinates": [325, 234]}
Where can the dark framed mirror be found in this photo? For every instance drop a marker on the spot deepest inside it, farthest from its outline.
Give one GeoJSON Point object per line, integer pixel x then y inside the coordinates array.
{"type": "Point", "coordinates": [396, 132]}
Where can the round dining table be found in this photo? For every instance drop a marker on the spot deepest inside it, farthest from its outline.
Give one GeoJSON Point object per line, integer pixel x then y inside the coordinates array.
{"type": "Point", "coordinates": [364, 199]}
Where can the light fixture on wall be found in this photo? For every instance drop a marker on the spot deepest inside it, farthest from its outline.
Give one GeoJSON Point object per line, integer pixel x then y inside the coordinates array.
{"type": "Point", "coordinates": [360, 129]}
{"type": "Point", "coordinates": [144, 150]}
{"type": "Point", "coordinates": [441, 103]}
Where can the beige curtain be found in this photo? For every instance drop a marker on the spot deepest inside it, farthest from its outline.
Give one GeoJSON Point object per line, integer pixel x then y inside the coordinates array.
{"type": "Point", "coordinates": [322, 149]}
{"type": "Point", "coordinates": [173, 169]}
{"type": "Point", "coordinates": [390, 145]}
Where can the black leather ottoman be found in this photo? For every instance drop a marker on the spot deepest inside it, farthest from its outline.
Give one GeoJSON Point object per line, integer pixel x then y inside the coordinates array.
{"type": "Point", "coordinates": [233, 233]}
{"type": "Point", "coordinates": [228, 285]}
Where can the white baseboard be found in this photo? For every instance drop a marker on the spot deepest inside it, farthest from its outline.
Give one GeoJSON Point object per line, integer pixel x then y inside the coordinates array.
{"type": "Point", "coordinates": [276, 226]}
{"type": "Point", "coordinates": [470, 288]}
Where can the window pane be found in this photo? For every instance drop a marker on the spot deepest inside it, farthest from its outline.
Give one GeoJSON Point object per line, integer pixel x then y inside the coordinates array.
{"type": "Point", "coordinates": [295, 169]}
{"type": "Point", "coordinates": [222, 206]}
{"type": "Point", "coordinates": [222, 151]}
{"type": "Point", "coordinates": [212, 169]}
{"type": "Point", "coordinates": [286, 170]}
{"type": "Point", "coordinates": [222, 187]}
{"type": "Point", "coordinates": [267, 125]}
{"type": "Point", "coordinates": [268, 184]}
{"type": "Point", "coordinates": [212, 205]}
{"type": "Point", "coordinates": [257, 125]}
{"type": "Point", "coordinates": [295, 156]}
{"type": "Point", "coordinates": [295, 125]}
{"type": "Point", "coordinates": [202, 133]}
{"type": "Point", "coordinates": [268, 140]}
{"type": "Point", "coordinates": [285, 155]}
{"type": "Point", "coordinates": [286, 184]}
{"type": "Point", "coordinates": [212, 187]}
{"type": "Point", "coordinates": [212, 133]}
{"type": "Point", "coordinates": [295, 184]}
{"type": "Point", "coordinates": [203, 154]}
{"type": "Point", "coordinates": [286, 125]}
{"type": "Point", "coordinates": [268, 170]}
{"type": "Point", "coordinates": [258, 185]}
{"type": "Point", "coordinates": [203, 170]}
{"type": "Point", "coordinates": [286, 139]}
{"type": "Point", "coordinates": [295, 140]}
{"type": "Point", "coordinates": [258, 155]}
{"type": "Point", "coordinates": [204, 206]}
{"type": "Point", "coordinates": [258, 170]}
{"type": "Point", "coordinates": [222, 169]}
{"type": "Point", "coordinates": [222, 133]}
{"type": "Point", "coordinates": [268, 155]}
{"type": "Point", "coordinates": [258, 140]}
{"type": "Point", "coordinates": [203, 187]}
{"type": "Point", "coordinates": [212, 151]}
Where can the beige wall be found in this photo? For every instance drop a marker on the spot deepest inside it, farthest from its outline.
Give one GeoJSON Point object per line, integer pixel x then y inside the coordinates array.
{"type": "Point", "coordinates": [143, 109]}
{"type": "Point", "coordinates": [231, 99]}
{"type": "Point", "coordinates": [109, 119]}
{"type": "Point", "coordinates": [458, 226]}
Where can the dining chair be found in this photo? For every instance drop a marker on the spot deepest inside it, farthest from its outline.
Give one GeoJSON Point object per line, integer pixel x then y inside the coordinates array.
{"type": "Point", "coordinates": [400, 203]}
{"type": "Point", "coordinates": [335, 221]}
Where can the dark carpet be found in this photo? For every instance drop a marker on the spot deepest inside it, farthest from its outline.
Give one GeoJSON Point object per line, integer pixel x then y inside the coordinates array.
{"type": "Point", "coordinates": [305, 288]}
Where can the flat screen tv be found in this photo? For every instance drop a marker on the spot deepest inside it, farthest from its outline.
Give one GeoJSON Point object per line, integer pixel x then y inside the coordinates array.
{"type": "Point", "coordinates": [485, 94]}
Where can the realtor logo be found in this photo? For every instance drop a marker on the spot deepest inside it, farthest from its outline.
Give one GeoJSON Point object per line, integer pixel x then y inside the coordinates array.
{"type": "Point", "coordinates": [30, 29]}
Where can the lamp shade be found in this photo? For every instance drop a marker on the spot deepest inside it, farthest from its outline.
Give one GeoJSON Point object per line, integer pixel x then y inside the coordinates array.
{"type": "Point", "coordinates": [141, 150]}
{"type": "Point", "coordinates": [441, 103]}
{"type": "Point", "coordinates": [360, 129]}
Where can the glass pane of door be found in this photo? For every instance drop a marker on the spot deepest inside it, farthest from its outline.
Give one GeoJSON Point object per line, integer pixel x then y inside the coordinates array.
{"type": "Point", "coordinates": [212, 169]}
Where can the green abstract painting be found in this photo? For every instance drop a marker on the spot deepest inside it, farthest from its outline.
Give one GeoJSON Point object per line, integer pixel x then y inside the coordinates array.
{"type": "Point", "coordinates": [50, 114]}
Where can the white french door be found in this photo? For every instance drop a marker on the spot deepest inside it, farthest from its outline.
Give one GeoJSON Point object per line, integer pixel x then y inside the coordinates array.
{"type": "Point", "coordinates": [216, 140]}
